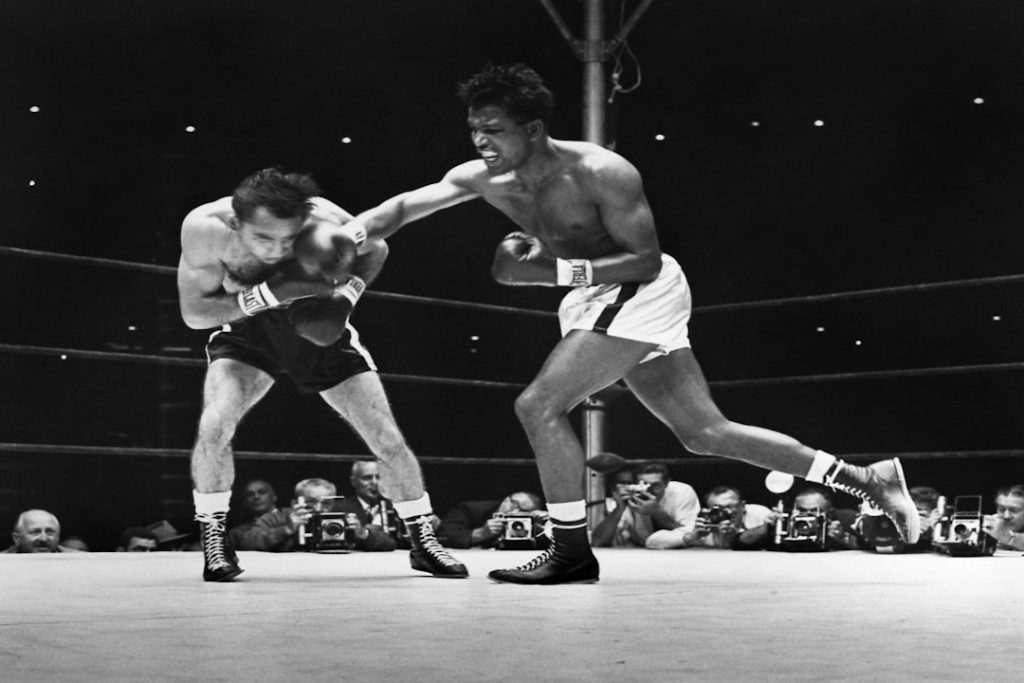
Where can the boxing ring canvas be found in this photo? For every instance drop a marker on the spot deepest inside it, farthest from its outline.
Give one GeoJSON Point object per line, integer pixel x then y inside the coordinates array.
{"type": "Point", "coordinates": [694, 615]}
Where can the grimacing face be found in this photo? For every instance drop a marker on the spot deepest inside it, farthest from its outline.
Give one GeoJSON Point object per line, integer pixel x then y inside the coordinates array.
{"type": "Point", "coordinates": [268, 237]}
{"type": "Point", "coordinates": [501, 142]}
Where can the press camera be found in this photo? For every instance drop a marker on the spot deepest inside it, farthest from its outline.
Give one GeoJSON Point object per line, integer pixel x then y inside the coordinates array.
{"type": "Point", "coordinates": [962, 533]}
{"type": "Point", "coordinates": [639, 487]}
{"type": "Point", "coordinates": [802, 531]}
{"type": "Point", "coordinates": [518, 525]}
{"type": "Point", "coordinates": [326, 531]}
{"type": "Point", "coordinates": [715, 515]}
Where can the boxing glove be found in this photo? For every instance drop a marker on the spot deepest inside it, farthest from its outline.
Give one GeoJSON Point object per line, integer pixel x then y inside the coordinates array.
{"type": "Point", "coordinates": [326, 249]}
{"type": "Point", "coordinates": [323, 321]}
{"type": "Point", "coordinates": [287, 282]}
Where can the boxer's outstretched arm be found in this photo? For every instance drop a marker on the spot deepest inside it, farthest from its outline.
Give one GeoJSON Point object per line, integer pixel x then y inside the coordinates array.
{"type": "Point", "coordinates": [390, 215]}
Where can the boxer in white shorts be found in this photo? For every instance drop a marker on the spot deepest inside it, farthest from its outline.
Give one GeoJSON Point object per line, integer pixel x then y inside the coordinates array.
{"type": "Point", "coordinates": [585, 223]}
{"type": "Point", "coordinates": [655, 312]}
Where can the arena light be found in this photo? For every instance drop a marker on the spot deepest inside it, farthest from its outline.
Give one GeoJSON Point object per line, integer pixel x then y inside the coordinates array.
{"type": "Point", "coordinates": [755, 124]}
{"type": "Point", "coordinates": [659, 137]}
{"type": "Point", "coordinates": [819, 329]}
{"type": "Point", "coordinates": [346, 140]}
{"type": "Point", "coordinates": [819, 123]}
{"type": "Point", "coordinates": [190, 129]}
{"type": "Point", "coordinates": [997, 318]}
{"type": "Point", "coordinates": [859, 342]}
{"type": "Point", "coordinates": [34, 109]}
{"type": "Point", "coordinates": [31, 183]}
{"type": "Point", "coordinates": [979, 100]}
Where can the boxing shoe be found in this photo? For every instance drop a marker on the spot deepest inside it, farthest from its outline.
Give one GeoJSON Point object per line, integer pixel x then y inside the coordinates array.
{"type": "Point", "coordinates": [428, 555]}
{"type": "Point", "coordinates": [883, 485]}
{"type": "Point", "coordinates": [220, 563]}
{"type": "Point", "coordinates": [557, 564]}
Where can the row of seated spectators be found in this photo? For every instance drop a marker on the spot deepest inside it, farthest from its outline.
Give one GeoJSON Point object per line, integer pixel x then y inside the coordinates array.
{"type": "Point", "coordinates": [644, 508]}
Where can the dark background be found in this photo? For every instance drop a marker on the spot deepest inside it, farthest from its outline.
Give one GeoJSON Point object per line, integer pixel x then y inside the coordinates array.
{"type": "Point", "coordinates": [909, 180]}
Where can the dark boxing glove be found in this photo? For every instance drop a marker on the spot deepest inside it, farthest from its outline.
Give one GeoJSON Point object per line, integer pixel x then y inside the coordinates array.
{"type": "Point", "coordinates": [329, 250]}
{"type": "Point", "coordinates": [323, 321]}
{"type": "Point", "coordinates": [286, 283]}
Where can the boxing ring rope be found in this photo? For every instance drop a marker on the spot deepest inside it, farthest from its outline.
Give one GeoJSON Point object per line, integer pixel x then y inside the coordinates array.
{"type": "Point", "coordinates": [484, 384]}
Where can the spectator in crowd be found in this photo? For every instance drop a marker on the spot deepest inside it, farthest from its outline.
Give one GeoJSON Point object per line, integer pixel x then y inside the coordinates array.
{"type": "Point", "coordinates": [472, 523]}
{"type": "Point", "coordinates": [258, 498]}
{"type": "Point", "coordinates": [1006, 526]}
{"type": "Point", "coordinates": [372, 523]}
{"type": "Point", "coordinates": [37, 531]}
{"type": "Point", "coordinates": [727, 521]}
{"type": "Point", "coordinates": [75, 543]}
{"type": "Point", "coordinates": [841, 532]}
{"type": "Point", "coordinates": [616, 490]}
{"type": "Point", "coordinates": [168, 537]}
{"type": "Point", "coordinates": [657, 517]}
{"type": "Point", "coordinates": [276, 530]}
{"type": "Point", "coordinates": [137, 539]}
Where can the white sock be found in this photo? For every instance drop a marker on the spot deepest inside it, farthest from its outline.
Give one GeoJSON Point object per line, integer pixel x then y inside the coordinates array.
{"type": "Point", "coordinates": [210, 503]}
{"type": "Point", "coordinates": [572, 511]}
{"type": "Point", "coordinates": [820, 467]}
{"type": "Point", "coordinates": [407, 509]}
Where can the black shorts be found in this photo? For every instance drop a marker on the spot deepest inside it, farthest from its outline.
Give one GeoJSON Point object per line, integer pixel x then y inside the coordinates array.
{"type": "Point", "coordinates": [268, 341]}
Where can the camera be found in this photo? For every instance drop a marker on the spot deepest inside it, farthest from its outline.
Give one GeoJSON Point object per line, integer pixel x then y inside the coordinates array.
{"type": "Point", "coordinates": [715, 515]}
{"type": "Point", "coordinates": [326, 531]}
{"type": "Point", "coordinates": [518, 525]}
{"type": "Point", "coordinates": [802, 531]}
{"type": "Point", "coordinates": [962, 533]}
{"type": "Point", "coordinates": [640, 487]}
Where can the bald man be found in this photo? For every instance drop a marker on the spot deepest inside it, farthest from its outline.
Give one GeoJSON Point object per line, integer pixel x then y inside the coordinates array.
{"type": "Point", "coordinates": [37, 531]}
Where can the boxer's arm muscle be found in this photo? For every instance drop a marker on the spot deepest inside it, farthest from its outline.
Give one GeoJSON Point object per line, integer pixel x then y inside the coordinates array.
{"type": "Point", "coordinates": [203, 301]}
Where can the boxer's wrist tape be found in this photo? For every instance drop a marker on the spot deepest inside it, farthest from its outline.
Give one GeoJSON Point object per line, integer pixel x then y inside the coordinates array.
{"type": "Point", "coordinates": [257, 298]}
{"type": "Point", "coordinates": [574, 272]}
{"type": "Point", "coordinates": [354, 231]}
{"type": "Point", "coordinates": [352, 289]}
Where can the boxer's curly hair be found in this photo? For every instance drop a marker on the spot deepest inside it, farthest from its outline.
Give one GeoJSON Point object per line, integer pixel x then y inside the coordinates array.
{"type": "Point", "coordinates": [517, 89]}
{"type": "Point", "coordinates": [286, 195]}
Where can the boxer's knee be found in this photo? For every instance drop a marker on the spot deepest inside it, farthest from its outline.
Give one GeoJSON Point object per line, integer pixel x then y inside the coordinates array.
{"type": "Point", "coordinates": [708, 439]}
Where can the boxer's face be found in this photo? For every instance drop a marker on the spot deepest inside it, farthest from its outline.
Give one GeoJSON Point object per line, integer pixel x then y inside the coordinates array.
{"type": "Point", "coordinates": [501, 142]}
{"type": "Point", "coordinates": [268, 237]}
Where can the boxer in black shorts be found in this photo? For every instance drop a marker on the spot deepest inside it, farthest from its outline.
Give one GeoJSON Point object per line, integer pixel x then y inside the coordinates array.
{"type": "Point", "coordinates": [278, 318]}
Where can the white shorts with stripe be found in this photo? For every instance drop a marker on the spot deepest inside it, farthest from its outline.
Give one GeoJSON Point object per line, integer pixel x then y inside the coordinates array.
{"type": "Point", "coordinates": [656, 312]}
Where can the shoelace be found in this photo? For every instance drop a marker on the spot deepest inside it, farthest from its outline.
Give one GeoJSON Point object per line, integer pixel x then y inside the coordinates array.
{"type": "Point", "coordinates": [830, 481]}
{"type": "Point", "coordinates": [537, 561]}
{"type": "Point", "coordinates": [213, 539]}
{"type": "Point", "coordinates": [432, 546]}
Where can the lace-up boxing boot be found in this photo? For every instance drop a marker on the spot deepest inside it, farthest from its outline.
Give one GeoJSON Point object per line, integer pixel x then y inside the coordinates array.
{"type": "Point", "coordinates": [428, 555]}
{"type": "Point", "coordinates": [557, 564]}
{"type": "Point", "coordinates": [220, 560]}
{"type": "Point", "coordinates": [883, 485]}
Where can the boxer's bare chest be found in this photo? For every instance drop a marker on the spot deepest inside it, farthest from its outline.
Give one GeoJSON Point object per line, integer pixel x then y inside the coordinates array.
{"type": "Point", "coordinates": [557, 212]}
{"type": "Point", "coordinates": [241, 268]}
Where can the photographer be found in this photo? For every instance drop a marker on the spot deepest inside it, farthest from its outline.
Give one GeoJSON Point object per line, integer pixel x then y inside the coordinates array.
{"type": "Point", "coordinates": [728, 521]}
{"type": "Point", "coordinates": [472, 523]}
{"type": "Point", "coordinates": [275, 531]}
{"type": "Point", "coordinates": [367, 511]}
{"type": "Point", "coordinates": [656, 514]}
{"type": "Point", "coordinates": [839, 523]}
{"type": "Point", "coordinates": [1007, 525]}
